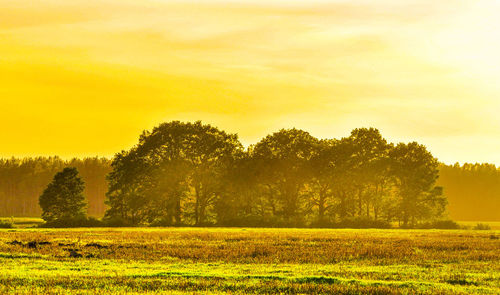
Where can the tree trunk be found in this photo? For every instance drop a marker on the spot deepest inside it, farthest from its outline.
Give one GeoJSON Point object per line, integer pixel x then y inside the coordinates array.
{"type": "Point", "coordinates": [360, 203]}
{"type": "Point", "coordinates": [178, 212]}
{"type": "Point", "coordinates": [321, 205]}
{"type": "Point", "coordinates": [367, 208]}
{"type": "Point", "coordinates": [196, 209]}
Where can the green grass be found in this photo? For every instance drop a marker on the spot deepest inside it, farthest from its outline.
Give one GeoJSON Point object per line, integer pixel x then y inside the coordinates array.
{"type": "Point", "coordinates": [230, 260]}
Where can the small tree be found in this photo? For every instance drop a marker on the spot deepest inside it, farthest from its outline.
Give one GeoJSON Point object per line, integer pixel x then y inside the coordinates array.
{"type": "Point", "coordinates": [63, 198]}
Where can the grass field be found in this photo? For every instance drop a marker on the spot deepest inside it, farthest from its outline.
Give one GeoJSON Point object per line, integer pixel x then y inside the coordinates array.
{"type": "Point", "coordinates": [224, 260]}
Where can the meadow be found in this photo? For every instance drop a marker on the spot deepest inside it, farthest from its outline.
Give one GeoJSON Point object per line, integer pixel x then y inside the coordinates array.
{"type": "Point", "coordinates": [244, 260]}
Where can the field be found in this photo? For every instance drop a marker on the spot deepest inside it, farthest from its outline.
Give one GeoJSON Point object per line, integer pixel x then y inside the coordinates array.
{"type": "Point", "coordinates": [226, 260]}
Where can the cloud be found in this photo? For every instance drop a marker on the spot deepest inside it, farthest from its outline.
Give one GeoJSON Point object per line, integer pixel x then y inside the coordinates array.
{"type": "Point", "coordinates": [247, 66]}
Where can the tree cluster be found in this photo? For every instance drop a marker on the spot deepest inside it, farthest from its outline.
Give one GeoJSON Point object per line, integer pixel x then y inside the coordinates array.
{"type": "Point", "coordinates": [194, 174]}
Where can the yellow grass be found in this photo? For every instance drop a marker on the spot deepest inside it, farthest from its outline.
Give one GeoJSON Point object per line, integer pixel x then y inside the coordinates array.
{"type": "Point", "coordinates": [248, 260]}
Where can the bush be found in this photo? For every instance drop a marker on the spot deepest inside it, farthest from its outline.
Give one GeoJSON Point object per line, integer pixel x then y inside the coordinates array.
{"type": "Point", "coordinates": [276, 222]}
{"type": "Point", "coordinates": [259, 221]}
{"type": "Point", "coordinates": [6, 224]}
{"type": "Point", "coordinates": [73, 222]}
{"type": "Point", "coordinates": [243, 221]}
{"type": "Point", "coordinates": [362, 222]}
{"type": "Point", "coordinates": [440, 224]}
{"type": "Point", "coordinates": [117, 222]}
{"type": "Point", "coordinates": [482, 226]}
{"type": "Point", "coordinates": [358, 222]}
{"type": "Point", "coordinates": [163, 222]}
{"type": "Point", "coordinates": [166, 222]}
{"type": "Point", "coordinates": [322, 224]}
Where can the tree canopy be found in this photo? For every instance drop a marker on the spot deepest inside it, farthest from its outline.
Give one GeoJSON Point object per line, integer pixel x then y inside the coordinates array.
{"type": "Point", "coordinates": [174, 174]}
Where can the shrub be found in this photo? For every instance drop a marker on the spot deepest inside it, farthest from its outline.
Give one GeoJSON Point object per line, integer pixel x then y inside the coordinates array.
{"type": "Point", "coordinates": [440, 224]}
{"type": "Point", "coordinates": [160, 223]}
{"type": "Point", "coordinates": [73, 222]}
{"type": "Point", "coordinates": [357, 222]}
{"type": "Point", "coordinates": [482, 226]}
{"type": "Point", "coordinates": [322, 224]}
{"type": "Point", "coordinates": [276, 222]}
{"type": "Point", "coordinates": [259, 221]}
{"type": "Point", "coordinates": [6, 224]}
{"type": "Point", "coordinates": [164, 222]}
{"type": "Point", "coordinates": [362, 222]}
{"type": "Point", "coordinates": [116, 222]}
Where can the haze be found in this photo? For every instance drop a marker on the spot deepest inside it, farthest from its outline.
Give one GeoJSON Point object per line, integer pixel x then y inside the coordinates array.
{"type": "Point", "coordinates": [84, 78]}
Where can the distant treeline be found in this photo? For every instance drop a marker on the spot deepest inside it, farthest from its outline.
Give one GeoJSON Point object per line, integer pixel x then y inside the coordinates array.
{"type": "Point", "coordinates": [22, 181]}
{"type": "Point", "coordinates": [179, 174]}
{"type": "Point", "coordinates": [473, 191]}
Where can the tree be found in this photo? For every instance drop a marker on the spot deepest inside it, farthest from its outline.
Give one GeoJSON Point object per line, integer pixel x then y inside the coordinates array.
{"type": "Point", "coordinates": [369, 162]}
{"type": "Point", "coordinates": [176, 172]}
{"type": "Point", "coordinates": [332, 170]}
{"type": "Point", "coordinates": [282, 160]}
{"type": "Point", "coordinates": [416, 172]}
{"type": "Point", "coordinates": [63, 198]}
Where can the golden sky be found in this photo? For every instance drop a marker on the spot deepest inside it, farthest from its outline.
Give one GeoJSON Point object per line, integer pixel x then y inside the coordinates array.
{"type": "Point", "coordinates": [85, 77]}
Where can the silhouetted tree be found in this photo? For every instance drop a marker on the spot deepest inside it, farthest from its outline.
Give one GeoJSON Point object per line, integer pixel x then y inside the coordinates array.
{"type": "Point", "coordinates": [369, 153]}
{"type": "Point", "coordinates": [63, 198]}
{"type": "Point", "coordinates": [124, 196]}
{"type": "Point", "coordinates": [177, 167]}
{"type": "Point", "coordinates": [241, 202]}
{"type": "Point", "coordinates": [416, 172]}
{"type": "Point", "coordinates": [282, 160]}
{"type": "Point", "coordinates": [332, 181]}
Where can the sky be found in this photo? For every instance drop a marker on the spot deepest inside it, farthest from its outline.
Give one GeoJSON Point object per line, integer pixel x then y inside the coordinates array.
{"type": "Point", "coordinates": [85, 78]}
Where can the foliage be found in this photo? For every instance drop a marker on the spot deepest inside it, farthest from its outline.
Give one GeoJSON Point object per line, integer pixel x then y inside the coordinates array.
{"type": "Point", "coordinates": [69, 222]}
{"type": "Point", "coordinates": [6, 224]}
{"type": "Point", "coordinates": [416, 172]}
{"type": "Point", "coordinates": [440, 224]}
{"type": "Point", "coordinates": [176, 172]}
{"type": "Point", "coordinates": [194, 174]}
{"type": "Point", "coordinates": [354, 222]}
{"type": "Point", "coordinates": [472, 190]}
{"type": "Point", "coordinates": [63, 198]}
{"type": "Point", "coordinates": [116, 222]}
{"type": "Point", "coordinates": [282, 162]}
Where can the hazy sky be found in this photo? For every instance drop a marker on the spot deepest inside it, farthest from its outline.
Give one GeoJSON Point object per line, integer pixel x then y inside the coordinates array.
{"type": "Point", "coordinates": [84, 78]}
